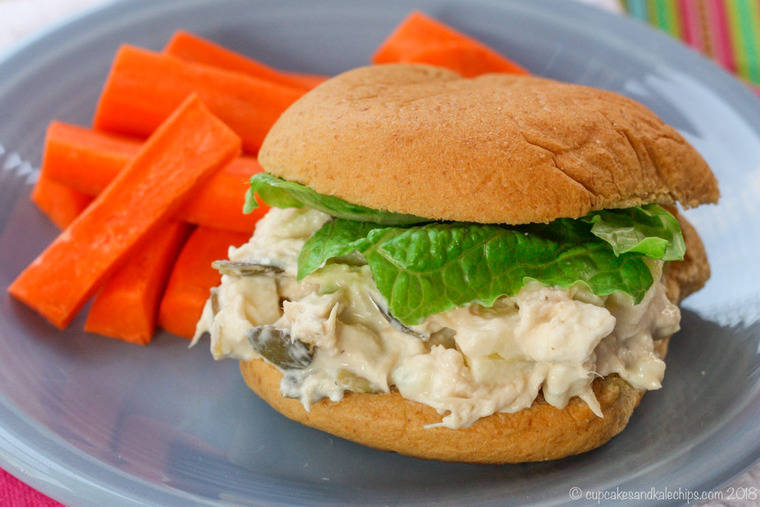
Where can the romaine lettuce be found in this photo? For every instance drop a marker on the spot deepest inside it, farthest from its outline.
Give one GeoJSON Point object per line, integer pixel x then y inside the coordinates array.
{"type": "Point", "coordinates": [427, 268]}
{"type": "Point", "coordinates": [287, 194]}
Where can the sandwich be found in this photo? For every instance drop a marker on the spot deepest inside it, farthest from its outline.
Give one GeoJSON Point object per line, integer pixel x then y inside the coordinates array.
{"type": "Point", "coordinates": [479, 270]}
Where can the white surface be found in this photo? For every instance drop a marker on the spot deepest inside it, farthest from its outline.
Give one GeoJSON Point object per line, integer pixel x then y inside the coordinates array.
{"type": "Point", "coordinates": [19, 18]}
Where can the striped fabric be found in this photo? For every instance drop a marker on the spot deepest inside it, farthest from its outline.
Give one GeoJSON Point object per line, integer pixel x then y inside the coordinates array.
{"type": "Point", "coordinates": [728, 31]}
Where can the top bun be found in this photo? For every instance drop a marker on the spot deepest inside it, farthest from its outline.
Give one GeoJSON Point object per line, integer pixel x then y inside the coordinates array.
{"type": "Point", "coordinates": [498, 148]}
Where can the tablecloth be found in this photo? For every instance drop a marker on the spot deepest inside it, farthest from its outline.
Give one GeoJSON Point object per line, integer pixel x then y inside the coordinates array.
{"type": "Point", "coordinates": [728, 31]}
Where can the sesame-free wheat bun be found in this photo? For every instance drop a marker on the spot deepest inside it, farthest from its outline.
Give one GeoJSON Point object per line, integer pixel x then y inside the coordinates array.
{"type": "Point", "coordinates": [498, 148]}
{"type": "Point", "coordinates": [541, 432]}
{"type": "Point", "coordinates": [494, 149]}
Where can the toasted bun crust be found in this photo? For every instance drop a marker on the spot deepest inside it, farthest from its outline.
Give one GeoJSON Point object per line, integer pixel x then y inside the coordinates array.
{"type": "Point", "coordinates": [540, 432]}
{"type": "Point", "coordinates": [393, 423]}
{"type": "Point", "coordinates": [498, 148]}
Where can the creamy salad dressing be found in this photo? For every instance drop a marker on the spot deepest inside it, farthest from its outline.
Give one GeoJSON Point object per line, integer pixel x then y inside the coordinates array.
{"type": "Point", "coordinates": [476, 361]}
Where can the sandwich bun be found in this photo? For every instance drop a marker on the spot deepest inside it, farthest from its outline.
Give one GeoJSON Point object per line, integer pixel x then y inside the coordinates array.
{"type": "Point", "coordinates": [540, 432]}
{"type": "Point", "coordinates": [493, 149]}
{"type": "Point", "coordinates": [390, 422]}
{"type": "Point", "coordinates": [498, 148]}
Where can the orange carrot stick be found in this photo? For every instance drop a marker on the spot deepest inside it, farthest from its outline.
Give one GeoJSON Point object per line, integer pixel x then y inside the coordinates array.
{"type": "Point", "coordinates": [308, 81]}
{"type": "Point", "coordinates": [192, 48]}
{"type": "Point", "coordinates": [144, 87]}
{"type": "Point", "coordinates": [84, 159]}
{"type": "Point", "coordinates": [60, 203]}
{"type": "Point", "coordinates": [193, 277]}
{"type": "Point", "coordinates": [126, 307]}
{"type": "Point", "coordinates": [188, 147]}
{"type": "Point", "coordinates": [87, 160]}
{"type": "Point", "coordinates": [219, 203]}
{"type": "Point", "coordinates": [418, 34]}
{"type": "Point", "coordinates": [465, 59]}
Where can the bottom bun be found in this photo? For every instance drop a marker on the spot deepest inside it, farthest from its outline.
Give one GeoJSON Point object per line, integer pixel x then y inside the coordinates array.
{"type": "Point", "coordinates": [393, 423]}
{"type": "Point", "coordinates": [538, 433]}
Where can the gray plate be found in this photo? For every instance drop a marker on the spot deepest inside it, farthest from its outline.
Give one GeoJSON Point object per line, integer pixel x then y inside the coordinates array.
{"type": "Point", "coordinates": [90, 420]}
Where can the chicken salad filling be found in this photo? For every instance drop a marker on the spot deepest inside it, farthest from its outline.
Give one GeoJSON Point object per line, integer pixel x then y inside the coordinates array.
{"type": "Point", "coordinates": [331, 331]}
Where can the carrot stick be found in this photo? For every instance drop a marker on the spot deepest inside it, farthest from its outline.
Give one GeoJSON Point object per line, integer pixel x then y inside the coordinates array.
{"type": "Point", "coordinates": [192, 48]}
{"type": "Point", "coordinates": [84, 159]}
{"type": "Point", "coordinates": [188, 147]}
{"type": "Point", "coordinates": [418, 35]}
{"type": "Point", "coordinates": [465, 59]}
{"type": "Point", "coordinates": [416, 32]}
{"type": "Point", "coordinates": [88, 160]}
{"type": "Point", "coordinates": [308, 81]}
{"type": "Point", "coordinates": [219, 203]}
{"type": "Point", "coordinates": [60, 203]}
{"type": "Point", "coordinates": [126, 307]}
{"type": "Point", "coordinates": [193, 277]}
{"type": "Point", "coordinates": [144, 87]}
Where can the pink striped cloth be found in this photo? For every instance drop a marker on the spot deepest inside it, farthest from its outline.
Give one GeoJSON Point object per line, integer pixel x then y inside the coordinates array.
{"type": "Point", "coordinates": [13, 492]}
{"type": "Point", "coordinates": [726, 31]}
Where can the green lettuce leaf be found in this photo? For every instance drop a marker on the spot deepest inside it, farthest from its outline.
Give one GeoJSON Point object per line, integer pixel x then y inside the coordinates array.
{"type": "Point", "coordinates": [649, 230]}
{"type": "Point", "coordinates": [335, 239]}
{"type": "Point", "coordinates": [425, 268]}
{"type": "Point", "coordinates": [428, 269]}
{"type": "Point", "coordinates": [287, 194]}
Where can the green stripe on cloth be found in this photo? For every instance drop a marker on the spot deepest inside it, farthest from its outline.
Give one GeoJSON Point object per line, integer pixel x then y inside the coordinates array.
{"type": "Point", "coordinates": [737, 39]}
{"type": "Point", "coordinates": [674, 18]}
{"type": "Point", "coordinates": [748, 10]}
{"type": "Point", "coordinates": [638, 9]}
{"type": "Point", "coordinates": [652, 10]}
{"type": "Point", "coordinates": [731, 29]}
{"type": "Point", "coordinates": [662, 14]}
